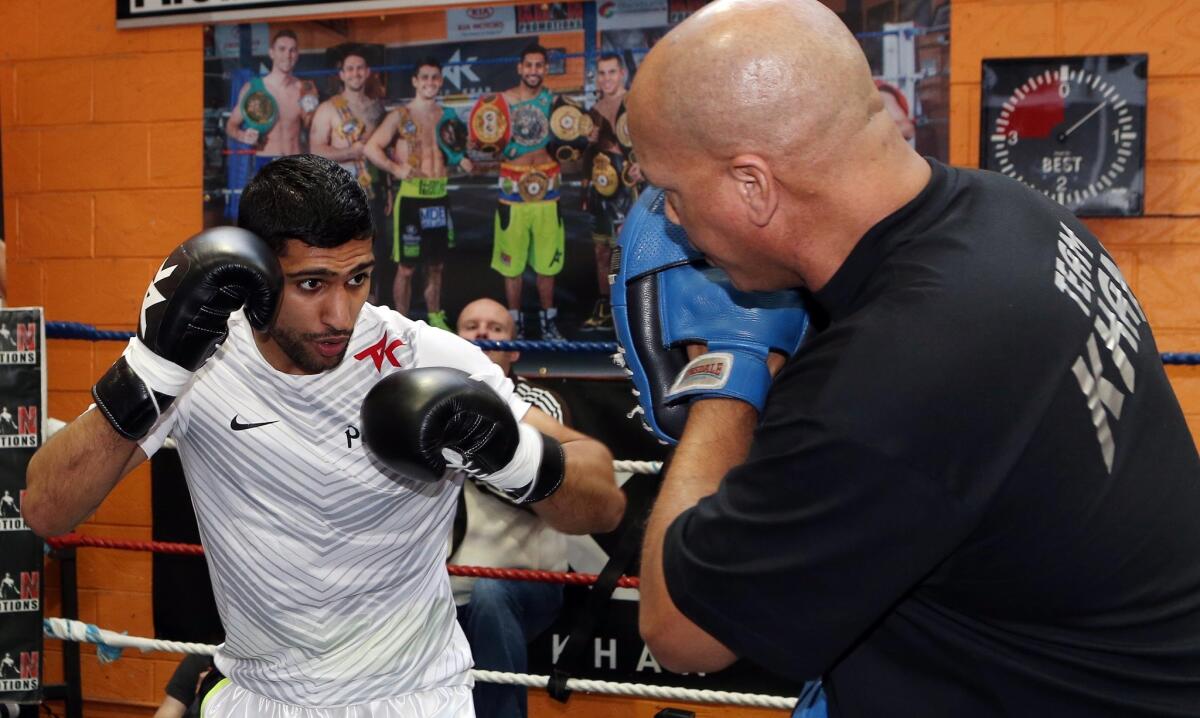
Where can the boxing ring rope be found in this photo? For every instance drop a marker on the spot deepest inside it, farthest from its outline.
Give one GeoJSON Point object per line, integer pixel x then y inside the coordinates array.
{"type": "Point", "coordinates": [186, 549]}
{"type": "Point", "coordinates": [110, 644]}
{"type": "Point", "coordinates": [77, 330]}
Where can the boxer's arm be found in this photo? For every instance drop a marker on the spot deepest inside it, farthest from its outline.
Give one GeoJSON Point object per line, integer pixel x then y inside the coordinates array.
{"type": "Point", "coordinates": [73, 471]}
{"type": "Point", "coordinates": [381, 138]}
{"type": "Point", "coordinates": [716, 438]}
{"type": "Point", "coordinates": [321, 133]}
{"type": "Point", "coordinates": [589, 500]}
{"type": "Point", "coordinates": [233, 126]}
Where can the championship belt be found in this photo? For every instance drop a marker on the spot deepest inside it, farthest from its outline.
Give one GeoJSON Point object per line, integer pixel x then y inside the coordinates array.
{"type": "Point", "coordinates": [630, 162]}
{"type": "Point", "coordinates": [529, 183]}
{"type": "Point", "coordinates": [530, 129]}
{"type": "Point", "coordinates": [621, 129]}
{"type": "Point", "coordinates": [533, 185]}
{"type": "Point", "coordinates": [489, 127]}
{"type": "Point", "coordinates": [452, 137]}
{"type": "Point", "coordinates": [606, 174]}
{"type": "Point", "coordinates": [259, 109]}
{"type": "Point", "coordinates": [310, 99]}
{"type": "Point", "coordinates": [570, 126]}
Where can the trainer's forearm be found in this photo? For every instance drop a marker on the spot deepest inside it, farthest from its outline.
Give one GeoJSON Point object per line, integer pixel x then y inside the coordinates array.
{"type": "Point", "coordinates": [72, 473]}
{"type": "Point", "coordinates": [589, 500]}
{"type": "Point", "coordinates": [716, 439]}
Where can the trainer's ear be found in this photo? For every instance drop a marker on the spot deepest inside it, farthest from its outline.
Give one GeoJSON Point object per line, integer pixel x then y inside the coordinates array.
{"type": "Point", "coordinates": [756, 187]}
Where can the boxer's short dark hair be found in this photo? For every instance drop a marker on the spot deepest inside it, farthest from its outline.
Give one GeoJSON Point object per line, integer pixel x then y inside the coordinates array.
{"type": "Point", "coordinates": [534, 48]}
{"type": "Point", "coordinates": [305, 197]}
{"type": "Point", "coordinates": [429, 61]}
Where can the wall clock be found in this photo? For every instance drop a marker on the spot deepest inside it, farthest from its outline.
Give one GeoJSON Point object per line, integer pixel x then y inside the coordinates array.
{"type": "Point", "coordinates": [1072, 128]}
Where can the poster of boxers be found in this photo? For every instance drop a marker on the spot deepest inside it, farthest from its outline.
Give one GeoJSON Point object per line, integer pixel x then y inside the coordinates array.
{"type": "Point", "coordinates": [459, 214]}
{"type": "Point", "coordinates": [22, 418]}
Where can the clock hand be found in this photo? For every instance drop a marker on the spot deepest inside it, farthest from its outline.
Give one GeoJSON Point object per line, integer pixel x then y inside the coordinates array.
{"type": "Point", "coordinates": [1062, 137]}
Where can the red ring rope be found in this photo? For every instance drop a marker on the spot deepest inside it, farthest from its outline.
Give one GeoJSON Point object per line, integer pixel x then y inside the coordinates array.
{"type": "Point", "coordinates": [187, 549]}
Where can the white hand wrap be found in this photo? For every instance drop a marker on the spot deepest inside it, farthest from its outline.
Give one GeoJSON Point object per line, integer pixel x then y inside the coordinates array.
{"type": "Point", "coordinates": [523, 469]}
{"type": "Point", "coordinates": [165, 377]}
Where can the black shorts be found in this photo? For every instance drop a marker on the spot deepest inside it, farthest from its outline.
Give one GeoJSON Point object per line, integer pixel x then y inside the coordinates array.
{"type": "Point", "coordinates": [422, 230]}
{"type": "Point", "coordinates": [608, 214]}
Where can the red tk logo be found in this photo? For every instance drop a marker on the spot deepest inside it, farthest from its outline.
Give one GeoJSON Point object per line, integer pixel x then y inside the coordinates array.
{"type": "Point", "coordinates": [379, 350]}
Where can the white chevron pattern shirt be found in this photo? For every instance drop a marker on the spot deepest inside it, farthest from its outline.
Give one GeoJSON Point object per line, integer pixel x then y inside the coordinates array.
{"type": "Point", "coordinates": [329, 570]}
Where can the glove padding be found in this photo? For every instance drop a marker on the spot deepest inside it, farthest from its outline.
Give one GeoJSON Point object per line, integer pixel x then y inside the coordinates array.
{"type": "Point", "coordinates": [665, 296]}
{"type": "Point", "coordinates": [421, 422]}
{"type": "Point", "coordinates": [184, 319]}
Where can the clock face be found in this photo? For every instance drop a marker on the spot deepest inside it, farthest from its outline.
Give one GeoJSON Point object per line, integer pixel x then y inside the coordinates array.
{"type": "Point", "coordinates": [1072, 128]}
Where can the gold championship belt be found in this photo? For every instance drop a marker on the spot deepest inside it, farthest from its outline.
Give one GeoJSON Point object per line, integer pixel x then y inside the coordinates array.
{"type": "Point", "coordinates": [489, 128]}
{"type": "Point", "coordinates": [605, 175]}
{"type": "Point", "coordinates": [621, 129]}
{"type": "Point", "coordinates": [627, 168]}
{"type": "Point", "coordinates": [570, 126]}
{"type": "Point", "coordinates": [533, 185]}
{"type": "Point", "coordinates": [310, 99]}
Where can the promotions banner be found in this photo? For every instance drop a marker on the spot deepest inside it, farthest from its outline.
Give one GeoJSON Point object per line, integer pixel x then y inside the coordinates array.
{"type": "Point", "coordinates": [631, 14]}
{"type": "Point", "coordinates": [22, 418]}
{"type": "Point", "coordinates": [549, 17]}
{"type": "Point", "coordinates": [144, 13]}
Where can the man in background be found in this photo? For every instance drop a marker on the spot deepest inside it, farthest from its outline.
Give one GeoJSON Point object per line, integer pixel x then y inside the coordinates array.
{"type": "Point", "coordinates": [528, 226]}
{"type": "Point", "coordinates": [501, 617]}
{"type": "Point", "coordinates": [343, 124]}
{"type": "Point", "coordinates": [608, 197]}
{"type": "Point", "coordinates": [406, 147]}
{"type": "Point", "coordinates": [272, 110]}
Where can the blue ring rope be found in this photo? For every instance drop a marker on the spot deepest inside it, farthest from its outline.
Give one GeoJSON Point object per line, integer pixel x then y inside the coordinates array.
{"type": "Point", "coordinates": [76, 330]}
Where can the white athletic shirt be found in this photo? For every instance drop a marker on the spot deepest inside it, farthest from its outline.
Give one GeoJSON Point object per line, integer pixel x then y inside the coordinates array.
{"type": "Point", "coordinates": [328, 569]}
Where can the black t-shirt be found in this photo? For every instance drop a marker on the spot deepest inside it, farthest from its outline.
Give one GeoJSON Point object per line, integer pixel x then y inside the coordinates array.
{"type": "Point", "coordinates": [183, 683]}
{"type": "Point", "coordinates": [973, 492]}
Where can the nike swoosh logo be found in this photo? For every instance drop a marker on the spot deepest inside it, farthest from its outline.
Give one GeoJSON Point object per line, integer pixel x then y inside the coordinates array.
{"type": "Point", "coordinates": [239, 426]}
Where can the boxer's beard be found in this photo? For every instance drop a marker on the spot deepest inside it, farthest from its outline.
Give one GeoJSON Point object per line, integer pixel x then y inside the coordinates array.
{"type": "Point", "coordinates": [533, 81]}
{"type": "Point", "coordinates": [297, 347]}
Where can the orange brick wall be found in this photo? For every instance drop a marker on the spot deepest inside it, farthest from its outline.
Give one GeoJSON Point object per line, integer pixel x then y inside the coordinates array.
{"type": "Point", "coordinates": [102, 168]}
{"type": "Point", "coordinates": [1159, 253]}
{"type": "Point", "coordinates": [101, 177]}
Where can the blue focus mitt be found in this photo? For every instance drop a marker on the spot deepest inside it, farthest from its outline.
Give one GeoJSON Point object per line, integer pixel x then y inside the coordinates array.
{"type": "Point", "coordinates": [666, 296]}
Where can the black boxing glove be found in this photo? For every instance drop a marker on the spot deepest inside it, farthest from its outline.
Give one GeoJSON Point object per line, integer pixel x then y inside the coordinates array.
{"type": "Point", "coordinates": [183, 321]}
{"type": "Point", "coordinates": [421, 422]}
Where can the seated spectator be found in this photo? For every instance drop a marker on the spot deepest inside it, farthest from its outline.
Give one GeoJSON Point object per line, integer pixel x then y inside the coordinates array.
{"type": "Point", "coordinates": [501, 617]}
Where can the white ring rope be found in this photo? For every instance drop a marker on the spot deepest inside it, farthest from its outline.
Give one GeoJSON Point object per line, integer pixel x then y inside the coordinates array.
{"type": "Point", "coordinates": [638, 467]}
{"type": "Point", "coordinates": [69, 630]}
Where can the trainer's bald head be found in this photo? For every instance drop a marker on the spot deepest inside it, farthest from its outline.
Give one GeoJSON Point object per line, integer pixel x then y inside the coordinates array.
{"type": "Point", "coordinates": [761, 76]}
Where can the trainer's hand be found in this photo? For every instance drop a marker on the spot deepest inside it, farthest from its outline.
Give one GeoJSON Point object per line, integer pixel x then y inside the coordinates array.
{"type": "Point", "coordinates": [421, 422]}
{"type": "Point", "coordinates": [775, 360]}
{"type": "Point", "coordinates": [666, 298]}
{"type": "Point", "coordinates": [183, 321]}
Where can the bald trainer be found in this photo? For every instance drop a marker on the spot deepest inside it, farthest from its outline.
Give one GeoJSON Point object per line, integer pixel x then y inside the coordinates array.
{"type": "Point", "coordinates": [972, 491]}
